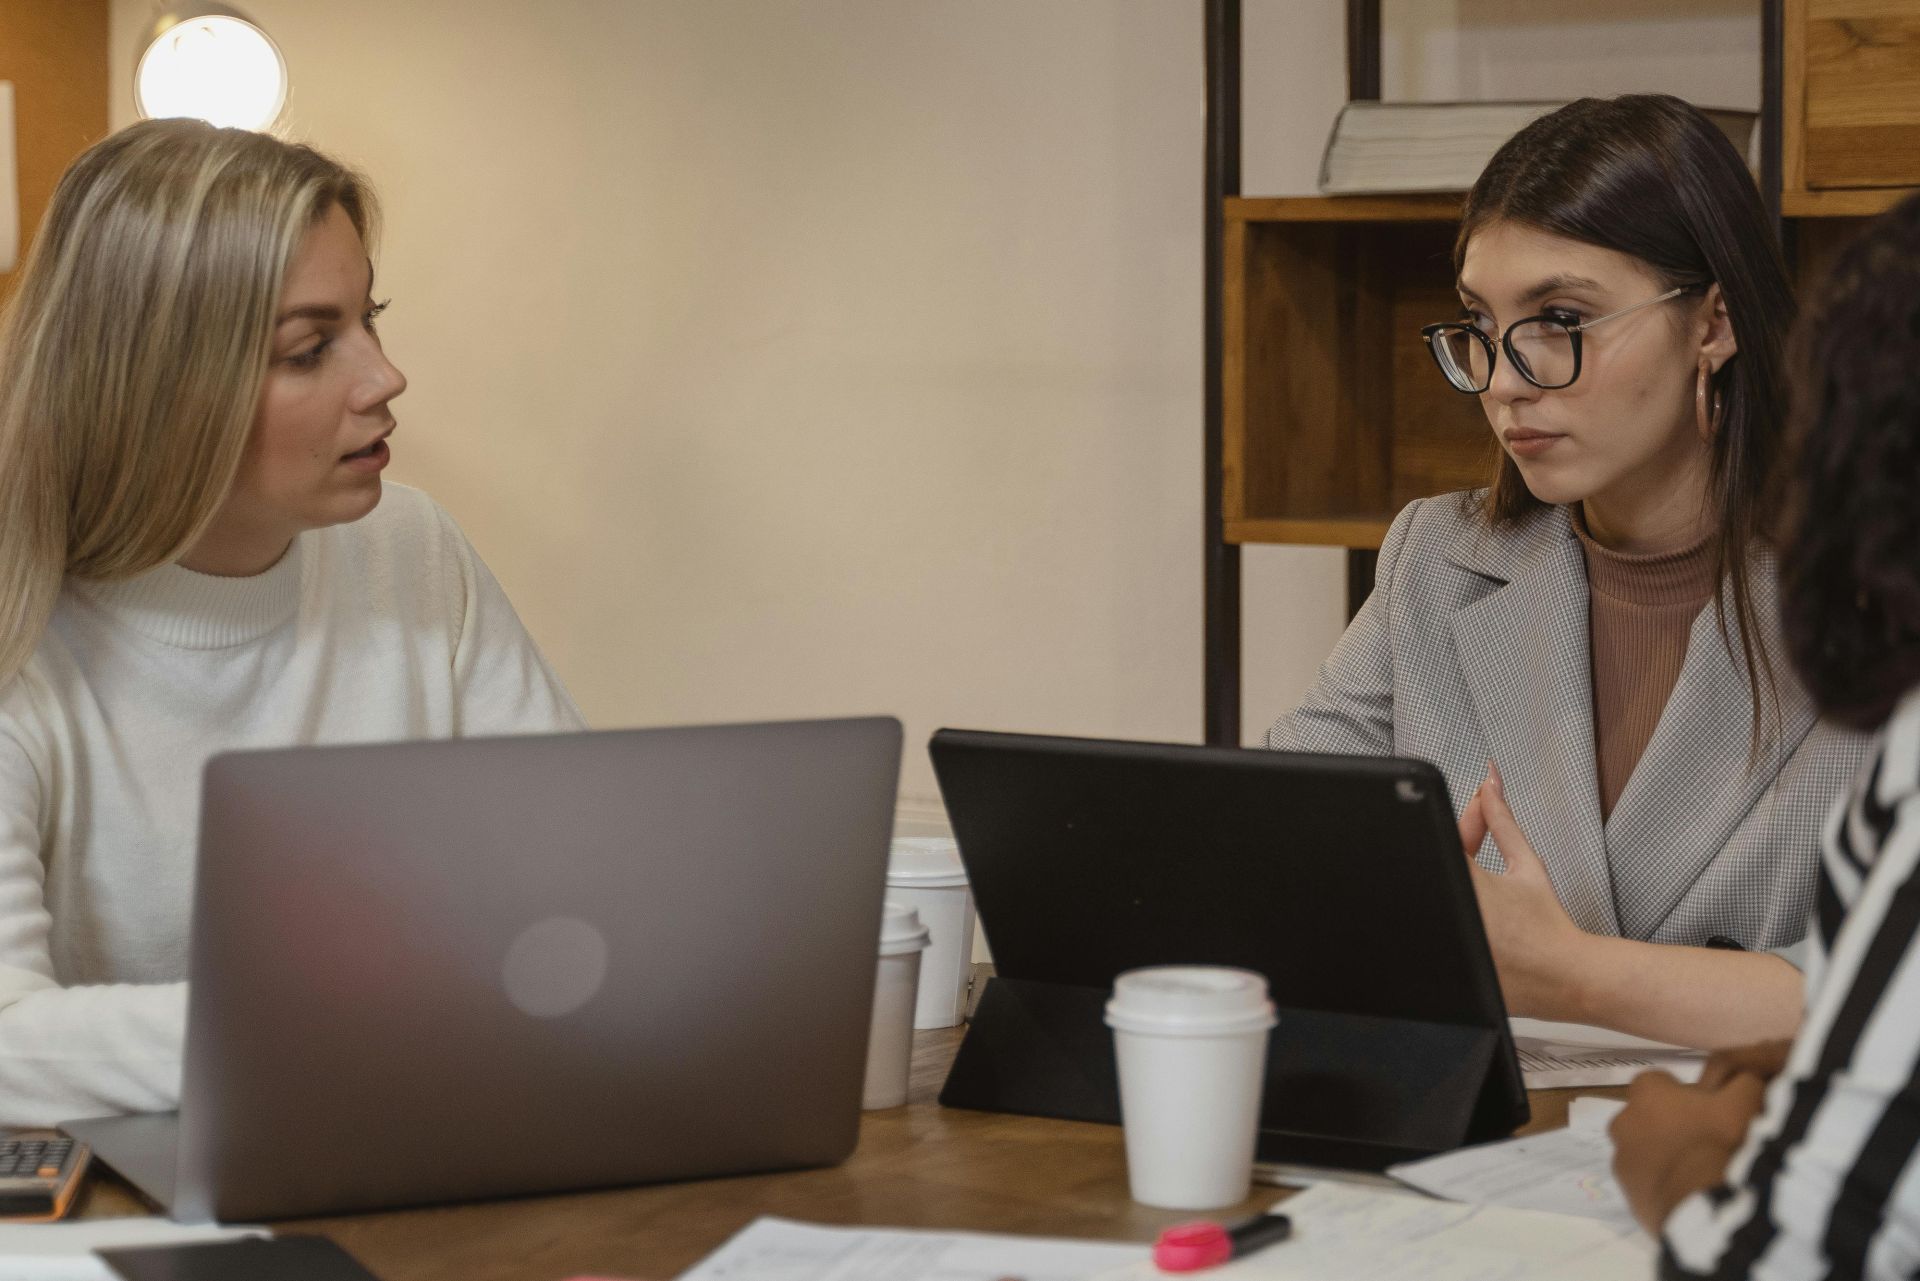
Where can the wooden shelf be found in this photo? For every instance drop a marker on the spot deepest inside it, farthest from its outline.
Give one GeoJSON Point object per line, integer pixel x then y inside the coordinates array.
{"type": "Point", "coordinates": [1858, 202]}
{"type": "Point", "coordinates": [1333, 416]}
{"type": "Point", "coordinates": [1851, 98]}
{"type": "Point", "coordinates": [1420, 207]}
{"type": "Point", "coordinates": [1360, 532]}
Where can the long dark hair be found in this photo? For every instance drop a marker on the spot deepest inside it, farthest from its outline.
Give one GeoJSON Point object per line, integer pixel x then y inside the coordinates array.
{"type": "Point", "coordinates": [1850, 482]}
{"type": "Point", "coordinates": [1651, 176]}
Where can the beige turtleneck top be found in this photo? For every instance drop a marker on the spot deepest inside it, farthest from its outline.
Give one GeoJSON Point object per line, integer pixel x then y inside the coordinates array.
{"type": "Point", "coordinates": [1642, 607]}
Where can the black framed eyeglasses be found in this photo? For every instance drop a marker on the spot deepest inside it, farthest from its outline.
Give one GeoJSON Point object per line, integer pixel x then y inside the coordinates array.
{"type": "Point", "coordinates": [1545, 349]}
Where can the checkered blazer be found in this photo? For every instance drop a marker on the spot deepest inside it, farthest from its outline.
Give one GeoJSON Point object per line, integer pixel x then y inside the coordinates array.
{"type": "Point", "coordinates": [1474, 646]}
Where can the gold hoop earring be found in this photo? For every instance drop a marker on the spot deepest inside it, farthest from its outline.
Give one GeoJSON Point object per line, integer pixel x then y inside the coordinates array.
{"type": "Point", "coordinates": [1706, 403]}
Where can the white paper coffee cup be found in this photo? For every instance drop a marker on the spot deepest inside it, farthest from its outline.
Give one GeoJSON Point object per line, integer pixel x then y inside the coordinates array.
{"type": "Point", "coordinates": [1191, 1042]}
{"type": "Point", "coordinates": [896, 984]}
{"type": "Point", "coordinates": [925, 873]}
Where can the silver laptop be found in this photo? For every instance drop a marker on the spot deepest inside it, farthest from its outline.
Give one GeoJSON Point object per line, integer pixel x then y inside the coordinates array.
{"type": "Point", "coordinates": [428, 972]}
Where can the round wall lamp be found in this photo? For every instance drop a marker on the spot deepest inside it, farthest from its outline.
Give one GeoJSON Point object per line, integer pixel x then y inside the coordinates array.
{"type": "Point", "coordinates": [213, 63]}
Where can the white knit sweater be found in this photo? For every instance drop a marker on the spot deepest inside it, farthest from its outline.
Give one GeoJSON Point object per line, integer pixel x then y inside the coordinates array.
{"type": "Point", "coordinates": [388, 628]}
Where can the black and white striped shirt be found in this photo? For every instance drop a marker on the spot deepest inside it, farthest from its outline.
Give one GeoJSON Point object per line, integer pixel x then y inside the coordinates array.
{"type": "Point", "coordinates": [1827, 1184]}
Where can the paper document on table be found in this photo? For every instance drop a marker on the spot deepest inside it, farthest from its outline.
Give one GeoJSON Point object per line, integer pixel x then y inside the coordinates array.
{"type": "Point", "coordinates": [1558, 1055]}
{"type": "Point", "coordinates": [65, 1251]}
{"type": "Point", "coordinates": [1343, 1233]}
{"type": "Point", "coordinates": [782, 1250]}
{"type": "Point", "coordinates": [1567, 1171]}
{"type": "Point", "coordinates": [71, 1267]}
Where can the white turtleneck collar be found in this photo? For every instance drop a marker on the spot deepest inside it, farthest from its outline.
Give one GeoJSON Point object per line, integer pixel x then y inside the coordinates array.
{"type": "Point", "coordinates": [188, 610]}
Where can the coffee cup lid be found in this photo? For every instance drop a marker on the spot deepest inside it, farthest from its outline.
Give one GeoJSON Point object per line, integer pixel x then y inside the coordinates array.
{"type": "Point", "coordinates": [1190, 1000]}
{"type": "Point", "coordinates": [901, 930]}
{"type": "Point", "coordinates": [925, 862]}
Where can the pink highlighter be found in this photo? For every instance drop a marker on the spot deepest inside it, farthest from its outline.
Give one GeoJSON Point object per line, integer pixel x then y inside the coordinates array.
{"type": "Point", "coordinates": [1190, 1247]}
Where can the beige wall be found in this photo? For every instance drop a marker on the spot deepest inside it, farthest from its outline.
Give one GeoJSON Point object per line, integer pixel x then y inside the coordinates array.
{"type": "Point", "coordinates": [797, 357]}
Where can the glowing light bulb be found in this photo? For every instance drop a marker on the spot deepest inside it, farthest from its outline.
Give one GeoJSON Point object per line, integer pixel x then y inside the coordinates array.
{"type": "Point", "coordinates": [223, 70]}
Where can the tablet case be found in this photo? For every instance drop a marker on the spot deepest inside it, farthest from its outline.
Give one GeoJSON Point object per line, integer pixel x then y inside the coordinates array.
{"type": "Point", "coordinates": [1342, 1090]}
{"type": "Point", "coordinates": [1339, 878]}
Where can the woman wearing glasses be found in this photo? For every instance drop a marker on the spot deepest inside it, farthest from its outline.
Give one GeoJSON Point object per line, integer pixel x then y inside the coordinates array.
{"type": "Point", "coordinates": [1588, 648]}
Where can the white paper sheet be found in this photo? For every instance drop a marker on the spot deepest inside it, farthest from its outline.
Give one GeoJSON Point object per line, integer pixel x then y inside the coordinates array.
{"type": "Point", "coordinates": [1343, 1233]}
{"type": "Point", "coordinates": [1568, 1171]}
{"type": "Point", "coordinates": [782, 1250]}
{"type": "Point", "coordinates": [64, 1251]}
{"type": "Point", "coordinates": [75, 1267]}
{"type": "Point", "coordinates": [1560, 1055]}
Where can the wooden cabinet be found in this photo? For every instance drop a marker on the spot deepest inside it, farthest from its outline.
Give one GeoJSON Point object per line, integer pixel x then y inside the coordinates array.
{"type": "Point", "coordinates": [1334, 416]}
{"type": "Point", "coordinates": [1850, 105]}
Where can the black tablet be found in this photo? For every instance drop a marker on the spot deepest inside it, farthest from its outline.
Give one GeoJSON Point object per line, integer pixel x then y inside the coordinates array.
{"type": "Point", "coordinates": [1340, 878]}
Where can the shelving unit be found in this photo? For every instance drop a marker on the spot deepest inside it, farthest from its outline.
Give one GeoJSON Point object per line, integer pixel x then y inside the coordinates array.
{"type": "Point", "coordinates": [1332, 418]}
{"type": "Point", "coordinates": [1323, 414]}
{"type": "Point", "coordinates": [1849, 89]}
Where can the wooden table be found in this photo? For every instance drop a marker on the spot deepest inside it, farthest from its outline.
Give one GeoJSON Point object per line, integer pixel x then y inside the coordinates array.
{"type": "Point", "coordinates": [921, 1166]}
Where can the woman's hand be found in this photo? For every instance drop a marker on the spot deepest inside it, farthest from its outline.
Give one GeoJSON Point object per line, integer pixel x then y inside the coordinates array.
{"type": "Point", "coordinates": [1540, 953]}
{"type": "Point", "coordinates": [1763, 1061]}
{"type": "Point", "coordinates": [1674, 1140]}
{"type": "Point", "coordinates": [1550, 968]}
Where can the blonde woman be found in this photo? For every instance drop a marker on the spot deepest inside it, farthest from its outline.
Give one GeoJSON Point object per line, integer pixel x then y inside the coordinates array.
{"type": "Point", "coordinates": [196, 555]}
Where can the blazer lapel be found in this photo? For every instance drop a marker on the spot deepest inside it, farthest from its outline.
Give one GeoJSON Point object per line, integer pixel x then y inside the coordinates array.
{"type": "Point", "coordinates": [1524, 651]}
{"type": "Point", "coordinates": [1692, 785]}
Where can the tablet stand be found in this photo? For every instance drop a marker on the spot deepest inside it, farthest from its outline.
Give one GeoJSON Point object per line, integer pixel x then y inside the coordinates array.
{"type": "Point", "coordinates": [1348, 1090]}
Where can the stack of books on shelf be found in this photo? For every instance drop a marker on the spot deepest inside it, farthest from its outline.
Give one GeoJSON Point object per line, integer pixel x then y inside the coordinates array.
{"type": "Point", "coordinates": [1442, 146]}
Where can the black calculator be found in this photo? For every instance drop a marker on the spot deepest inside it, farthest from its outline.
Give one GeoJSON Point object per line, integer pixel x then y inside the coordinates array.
{"type": "Point", "coordinates": [38, 1176]}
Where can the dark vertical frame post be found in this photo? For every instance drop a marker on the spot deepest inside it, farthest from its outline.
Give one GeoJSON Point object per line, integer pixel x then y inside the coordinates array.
{"type": "Point", "coordinates": [1773, 177]}
{"type": "Point", "coordinates": [1772, 23]}
{"type": "Point", "coordinates": [1221, 677]}
{"type": "Point", "coordinates": [1363, 85]}
{"type": "Point", "coordinates": [1363, 50]}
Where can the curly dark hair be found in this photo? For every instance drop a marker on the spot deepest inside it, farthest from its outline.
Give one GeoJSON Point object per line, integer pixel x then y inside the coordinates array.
{"type": "Point", "coordinates": [1850, 483]}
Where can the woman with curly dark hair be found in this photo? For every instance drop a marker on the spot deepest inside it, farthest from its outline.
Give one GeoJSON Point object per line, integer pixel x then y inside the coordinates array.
{"type": "Point", "coordinates": [1799, 1159]}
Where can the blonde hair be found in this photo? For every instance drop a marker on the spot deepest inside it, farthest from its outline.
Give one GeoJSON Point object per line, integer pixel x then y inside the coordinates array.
{"type": "Point", "coordinates": [133, 352]}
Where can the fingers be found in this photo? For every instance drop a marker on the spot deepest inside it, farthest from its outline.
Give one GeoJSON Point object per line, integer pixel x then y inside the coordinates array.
{"type": "Point", "coordinates": [1731, 1108]}
{"type": "Point", "coordinates": [1651, 1085]}
{"type": "Point", "coordinates": [1744, 1095]}
{"type": "Point", "coordinates": [1724, 1111]}
{"type": "Point", "coordinates": [1644, 1093]}
{"type": "Point", "coordinates": [1473, 826]}
{"type": "Point", "coordinates": [1765, 1060]}
{"type": "Point", "coordinates": [1770, 1057]}
{"type": "Point", "coordinates": [1723, 1066]}
{"type": "Point", "coordinates": [1724, 1076]}
{"type": "Point", "coordinates": [1513, 843]}
{"type": "Point", "coordinates": [1720, 1067]}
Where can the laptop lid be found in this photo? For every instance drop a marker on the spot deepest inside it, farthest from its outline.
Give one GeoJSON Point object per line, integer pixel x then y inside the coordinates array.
{"type": "Point", "coordinates": [1341, 879]}
{"type": "Point", "coordinates": [144, 1149]}
{"type": "Point", "coordinates": [438, 971]}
